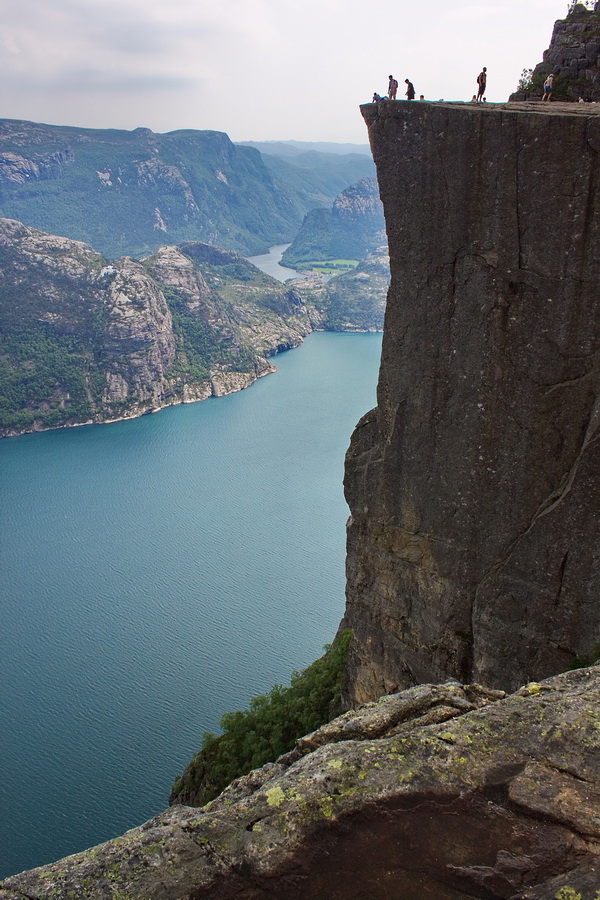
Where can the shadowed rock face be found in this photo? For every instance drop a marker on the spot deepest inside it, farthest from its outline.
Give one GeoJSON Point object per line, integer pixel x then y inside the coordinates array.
{"type": "Point", "coordinates": [474, 486]}
{"type": "Point", "coordinates": [437, 793]}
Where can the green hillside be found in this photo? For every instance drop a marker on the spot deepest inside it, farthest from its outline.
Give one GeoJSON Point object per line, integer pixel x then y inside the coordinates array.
{"type": "Point", "coordinates": [128, 192]}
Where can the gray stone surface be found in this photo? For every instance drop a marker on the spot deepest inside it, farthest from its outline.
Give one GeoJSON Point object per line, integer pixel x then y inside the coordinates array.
{"type": "Point", "coordinates": [438, 793]}
{"type": "Point", "coordinates": [474, 486]}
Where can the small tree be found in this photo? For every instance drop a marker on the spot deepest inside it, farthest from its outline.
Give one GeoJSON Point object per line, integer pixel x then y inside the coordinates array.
{"type": "Point", "coordinates": [525, 83]}
{"type": "Point", "coordinates": [585, 6]}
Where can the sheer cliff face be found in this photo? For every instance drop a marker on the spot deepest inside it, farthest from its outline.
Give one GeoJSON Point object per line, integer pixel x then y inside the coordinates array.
{"type": "Point", "coordinates": [474, 486]}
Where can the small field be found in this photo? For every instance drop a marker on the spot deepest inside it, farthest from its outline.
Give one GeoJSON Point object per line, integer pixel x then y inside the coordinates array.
{"type": "Point", "coordinates": [329, 266]}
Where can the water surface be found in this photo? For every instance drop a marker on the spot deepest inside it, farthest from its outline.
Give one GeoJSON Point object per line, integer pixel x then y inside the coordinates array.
{"type": "Point", "coordinates": [269, 263]}
{"type": "Point", "coordinates": [156, 573]}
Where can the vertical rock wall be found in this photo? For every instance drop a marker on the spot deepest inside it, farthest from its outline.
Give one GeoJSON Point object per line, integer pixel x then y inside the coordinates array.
{"type": "Point", "coordinates": [474, 486]}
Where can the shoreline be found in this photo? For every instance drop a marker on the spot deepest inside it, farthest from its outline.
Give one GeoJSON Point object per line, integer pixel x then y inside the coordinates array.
{"type": "Point", "coordinates": [214, 390]}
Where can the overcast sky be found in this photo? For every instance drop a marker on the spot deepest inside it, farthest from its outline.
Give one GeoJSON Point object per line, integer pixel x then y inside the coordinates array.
{"type": "Point", "coordinates": [256, 69]}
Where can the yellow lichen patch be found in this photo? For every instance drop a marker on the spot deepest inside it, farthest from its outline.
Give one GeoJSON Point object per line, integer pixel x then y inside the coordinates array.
{"type": "Point", "coordinates": [567, 893]}
{"type": "Point", "coordinates": [335, 763]}
{"type": "Point", "coordinates": [448, 736]}
{"type": "Point", "coordinates": [275, 796]}
{"type": "Point", "coordinates": [327, 806]}
{"type": "Point", "coordinates": [533, 689]}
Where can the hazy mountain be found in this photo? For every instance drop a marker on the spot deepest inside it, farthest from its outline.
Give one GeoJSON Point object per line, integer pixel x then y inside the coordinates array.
{"type": "Point", "coordinates": [293, 148]}
{"type": "Point", "coordinates": [127, 192]}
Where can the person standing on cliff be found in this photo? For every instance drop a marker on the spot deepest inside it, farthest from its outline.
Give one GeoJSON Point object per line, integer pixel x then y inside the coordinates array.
{"type": "Point", "coordinates": [481, 83]}
{"type": "Point", "coordinates": [548, 87]}
{"type": "Point", "coordinates": [392, 88]}
{"type": "Point", "coordinates": [410, 90]}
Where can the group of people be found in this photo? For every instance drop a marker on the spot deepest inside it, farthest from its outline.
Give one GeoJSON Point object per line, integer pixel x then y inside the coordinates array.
{"type": "Point", "coordinates": [410, 89]}
{"type": "Point", "coordinates": [477, 98]}
{"type": "Point", "coordinates": [393, 89]}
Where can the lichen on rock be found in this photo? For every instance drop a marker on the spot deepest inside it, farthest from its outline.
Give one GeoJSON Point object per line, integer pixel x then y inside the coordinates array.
{"type": "Point", "coordinates": [444, 791]}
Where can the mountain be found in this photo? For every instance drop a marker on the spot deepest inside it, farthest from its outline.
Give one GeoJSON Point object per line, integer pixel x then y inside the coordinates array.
{"type": "Point", "coordinates": [298, 148]}
{"type": "Point", "coordinates": [351, 229]}
{"type": "Point", "coordinates": [82, 340]}
{"type": "Point", "coordinates": [128, 192]}
{"type": "Point", "coordinates": [85, 340]}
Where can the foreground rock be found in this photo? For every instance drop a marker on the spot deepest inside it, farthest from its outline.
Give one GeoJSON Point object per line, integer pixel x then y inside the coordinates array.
{"type": "Point", "coordinates": [474, 486]}
{"type": "Point", "coordinates": [436, 793]}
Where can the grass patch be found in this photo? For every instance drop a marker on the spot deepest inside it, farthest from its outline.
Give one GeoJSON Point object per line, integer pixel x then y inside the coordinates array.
{"type": "Point", "coordinates": [330, 266]}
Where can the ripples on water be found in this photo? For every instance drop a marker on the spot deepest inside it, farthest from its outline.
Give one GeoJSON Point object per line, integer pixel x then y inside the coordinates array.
{"type": "Point", "coordinates": [157, 573]}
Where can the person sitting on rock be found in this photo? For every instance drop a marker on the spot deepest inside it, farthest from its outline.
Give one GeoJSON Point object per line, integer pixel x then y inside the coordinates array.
{"type": "Point", "coordinates": [377, 97]}
{"type": "Point", "coordinates": [548, 87]}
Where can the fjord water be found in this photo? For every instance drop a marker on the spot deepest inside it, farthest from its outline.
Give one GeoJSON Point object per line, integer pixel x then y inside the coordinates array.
{"type": "Point", "coordinates": [156, 573]}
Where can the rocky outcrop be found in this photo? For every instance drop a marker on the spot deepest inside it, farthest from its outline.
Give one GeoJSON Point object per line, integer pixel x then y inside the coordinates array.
{"type": "Point", "coordinates": [573, 56]}
{"type": "Point", "coordinates": [439, 792]}
{"type": "Point", "coordinates": [352, 229]}
{"type": "Point", "coordinates": [82, 340]}
{"type": "Point", "coordinates": [474, 485]}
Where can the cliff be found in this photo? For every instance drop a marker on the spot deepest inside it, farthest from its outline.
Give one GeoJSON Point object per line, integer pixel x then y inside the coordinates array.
{"type": "Point", "coordinates": [437, 793]}
{"type": "Point", "coordinates": [474, 486]}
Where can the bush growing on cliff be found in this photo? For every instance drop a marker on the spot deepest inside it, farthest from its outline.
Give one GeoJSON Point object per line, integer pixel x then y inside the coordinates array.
{"type": "Point", "coordinates": [267, 729]}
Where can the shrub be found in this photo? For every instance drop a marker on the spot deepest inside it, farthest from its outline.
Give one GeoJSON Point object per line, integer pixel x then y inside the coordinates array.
{"type": "Point", "coordinates": [267, 729]}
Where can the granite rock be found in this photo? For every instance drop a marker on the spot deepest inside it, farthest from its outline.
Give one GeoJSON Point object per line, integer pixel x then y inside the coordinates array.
{"type": "Point", "coordinates": [440, 792]}
{"type": "Point", "coordinates": [474, 486]}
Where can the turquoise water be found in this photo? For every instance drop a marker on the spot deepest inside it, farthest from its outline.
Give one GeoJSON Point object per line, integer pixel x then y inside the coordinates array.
{"type": "Point", "coordinates": [157, 573]}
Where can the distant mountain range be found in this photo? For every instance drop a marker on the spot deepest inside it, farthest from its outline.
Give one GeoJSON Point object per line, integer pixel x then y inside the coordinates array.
{"type": "Point", "coordinates": [296, 148]}
{"type": "Point", "coordinates": [128, 192]}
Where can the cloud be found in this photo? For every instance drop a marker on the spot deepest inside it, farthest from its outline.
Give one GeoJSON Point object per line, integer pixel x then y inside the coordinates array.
{"type": "Point", "coordinates": [254, 68]}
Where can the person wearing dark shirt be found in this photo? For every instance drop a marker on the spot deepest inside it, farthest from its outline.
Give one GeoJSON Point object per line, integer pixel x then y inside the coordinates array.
{"type": "Point", "coordinates": [410, 89]}
{"type": "Point", "coordinates": [481, 83]}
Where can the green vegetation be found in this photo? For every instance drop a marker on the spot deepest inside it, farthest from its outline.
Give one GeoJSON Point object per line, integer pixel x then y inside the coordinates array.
{"type": "Point", "coordinates": [268, 728]}
{"type": "Point", "coordinates": [43, 379]}
{"type": "Point", "coordinates": [128, 192]}
{"type": "Point", "coordinates": [329, 266]}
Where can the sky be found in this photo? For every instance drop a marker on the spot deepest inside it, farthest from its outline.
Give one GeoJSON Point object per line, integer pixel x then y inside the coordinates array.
{"type": "Point", "coordinates": [256, 69]}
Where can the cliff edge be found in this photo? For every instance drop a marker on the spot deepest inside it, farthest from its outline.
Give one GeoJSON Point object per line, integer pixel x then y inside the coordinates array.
{"type": "Point", "coordinates": [474, 486]}
{"type": "Point", "coordinates": [438, 793]}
